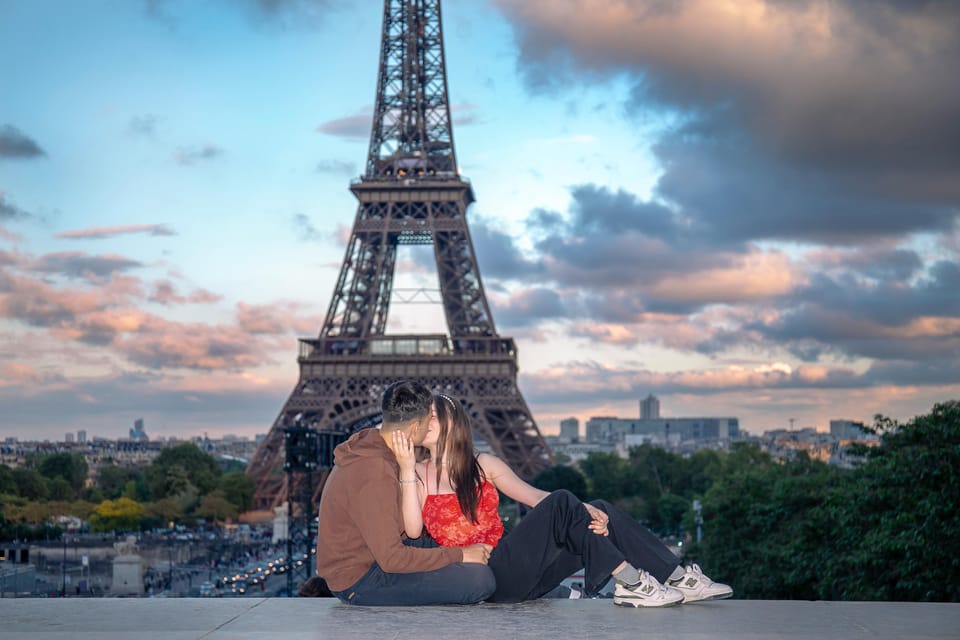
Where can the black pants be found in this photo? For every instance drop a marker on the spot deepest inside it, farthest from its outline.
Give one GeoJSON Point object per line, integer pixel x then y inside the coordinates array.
{"type": "Point", "coordinates": [553, 541]}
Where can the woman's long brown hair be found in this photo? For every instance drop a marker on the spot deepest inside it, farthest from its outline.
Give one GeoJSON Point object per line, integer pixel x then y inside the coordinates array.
{"type": "Point", "coordinates": [455, 447]}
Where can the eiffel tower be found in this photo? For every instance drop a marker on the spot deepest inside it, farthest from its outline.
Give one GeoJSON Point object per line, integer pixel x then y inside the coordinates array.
{"type": "Point", "coordinates": [410, 194]}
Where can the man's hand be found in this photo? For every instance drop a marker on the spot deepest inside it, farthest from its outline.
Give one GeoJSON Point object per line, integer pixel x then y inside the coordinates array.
{"type": "Point", "coordinates": [477, 553]}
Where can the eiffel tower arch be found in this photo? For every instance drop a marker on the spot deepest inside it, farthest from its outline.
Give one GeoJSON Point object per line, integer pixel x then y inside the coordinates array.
{"type": "Point", "coordinates": [411, 193]}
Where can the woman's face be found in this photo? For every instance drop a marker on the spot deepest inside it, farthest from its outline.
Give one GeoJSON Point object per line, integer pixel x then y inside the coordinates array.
{"type": "Point", "coordinates": [433, 431]}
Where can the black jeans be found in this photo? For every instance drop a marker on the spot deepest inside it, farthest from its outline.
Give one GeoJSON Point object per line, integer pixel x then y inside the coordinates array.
{"type": "Point", "coordinates": [553, 541]}
{"type": "Point", "coordinates": [460, 583]}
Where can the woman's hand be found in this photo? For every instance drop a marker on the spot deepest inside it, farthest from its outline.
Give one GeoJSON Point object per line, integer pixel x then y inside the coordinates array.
{"type": "Point", "coordinates": [406, 458]}
{"type": "Point", "coordinates": [599, 520]}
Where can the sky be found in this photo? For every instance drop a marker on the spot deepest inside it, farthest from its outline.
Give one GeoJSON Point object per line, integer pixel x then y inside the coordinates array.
{"type": "Point", "coordinates": [747, 208]}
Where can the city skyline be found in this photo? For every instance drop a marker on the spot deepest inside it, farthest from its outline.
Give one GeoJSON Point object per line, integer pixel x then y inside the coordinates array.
{"type": "Point", "coordinates": [745, 209]}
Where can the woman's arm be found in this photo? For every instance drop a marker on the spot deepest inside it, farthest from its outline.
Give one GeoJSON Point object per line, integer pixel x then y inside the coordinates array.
{"type": "Point", "coordinates": [509, 483]}
{"type": "Point", "coordinates": [409, 494]}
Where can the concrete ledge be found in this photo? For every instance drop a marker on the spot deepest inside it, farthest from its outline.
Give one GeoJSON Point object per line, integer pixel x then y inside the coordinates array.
{"type": "Point", "coordinates": [309, 618]}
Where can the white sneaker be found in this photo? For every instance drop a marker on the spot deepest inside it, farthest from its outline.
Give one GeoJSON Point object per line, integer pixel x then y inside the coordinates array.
{"type": "Point", "coordinates": [647, 593]}
{"type": "Point", "coordinates": [696, 586]}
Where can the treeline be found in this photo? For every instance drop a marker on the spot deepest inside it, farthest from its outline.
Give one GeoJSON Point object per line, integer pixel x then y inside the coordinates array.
{"type": "Point", "coordinates": [181, 485]}
{"type": "Point", "coordinates": [888, 529]}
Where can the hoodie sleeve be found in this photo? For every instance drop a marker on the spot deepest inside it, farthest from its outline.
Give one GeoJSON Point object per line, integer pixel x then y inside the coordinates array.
{"type": "Point", "coordinates": [379, 519]}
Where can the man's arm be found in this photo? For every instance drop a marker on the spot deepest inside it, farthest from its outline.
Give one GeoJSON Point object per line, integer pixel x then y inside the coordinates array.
{"type": "Point", "coordinates": [379, 519]}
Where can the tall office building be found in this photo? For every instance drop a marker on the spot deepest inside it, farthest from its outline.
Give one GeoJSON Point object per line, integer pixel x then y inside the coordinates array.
{"type": "Point", "coordinates": [82, 436]}
{"type": "Point", "coordinates": [650, 408]}
{"type": "Point", "coordinates": [138, 433]}
{"type": "Point", "coordinates": [570, 429]}
{"type": "Point", "coordinates": [69, 438]}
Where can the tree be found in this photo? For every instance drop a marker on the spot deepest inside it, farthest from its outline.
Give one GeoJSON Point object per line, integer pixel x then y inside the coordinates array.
{"type": "Point", "coordinates": [112, 480]}
{"type": "Point", "coordinates": [215, 506]}
{"type": "Point", "coordinates": [607, 476]}
{"type": "Point", "coordinates": [30, 484]}
{"type": "Point", "coordinates": [179, 468]}
{"type": "Point", "coordinates": [72, 467]}
{"type": "Point", "coordinates": [238, 488]}
{"type": "Point", "coordinates": [7, 483]}
{"type": "Point", "coordinates": [562, 477]}
{"type": "Point", "coordinates": [120, 514]}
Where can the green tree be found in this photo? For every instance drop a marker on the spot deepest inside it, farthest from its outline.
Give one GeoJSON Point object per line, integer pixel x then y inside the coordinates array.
{"type": "Point", "coordinates": [7, 483]}
{"type": "Point", "coordinates": [215, 506]}
{"type": "Point", "coordinates": [898, 522]}
{"type": "Point", "coordinates": [112, 480]}
{"type": "Point", "coordinates": [608, 476]}
{"type": "Point", "coordinates": [178, 469]}
{"type": "Point", "coordinates": [72, 467]}
{"type": "Point", "coordinates": [238, 488]}
{"type": "Point", "coordinates": [30, 484]}
{"type": "Point", "coordinates": [562, 477]}
{"type": "Point", "coordinates": [60, 489]}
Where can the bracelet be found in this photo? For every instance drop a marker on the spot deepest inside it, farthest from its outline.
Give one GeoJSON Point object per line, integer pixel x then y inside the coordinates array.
{"type": "Point", "coordinates": [408, 482]}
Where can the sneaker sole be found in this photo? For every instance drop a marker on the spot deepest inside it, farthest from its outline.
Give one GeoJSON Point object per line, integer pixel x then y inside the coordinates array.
{"type": "Point", "coordinates": [642, 604]}
{"type": "Point", "coordinates": [722, 596]}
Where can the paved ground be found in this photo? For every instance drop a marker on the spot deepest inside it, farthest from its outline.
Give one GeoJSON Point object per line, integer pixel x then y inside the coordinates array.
{"type": "Point", "coordinates": [306, 618]}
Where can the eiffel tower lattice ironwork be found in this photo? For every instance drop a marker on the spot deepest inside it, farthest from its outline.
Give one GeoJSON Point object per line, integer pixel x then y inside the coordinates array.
{"type": "Point", "coordinates": [411, 193]}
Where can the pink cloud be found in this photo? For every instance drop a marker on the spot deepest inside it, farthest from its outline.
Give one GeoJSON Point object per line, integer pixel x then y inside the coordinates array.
{"type": "Point", "coordinates": [100, 233]}
{"type": "Point", "coordinates": [165, 293]}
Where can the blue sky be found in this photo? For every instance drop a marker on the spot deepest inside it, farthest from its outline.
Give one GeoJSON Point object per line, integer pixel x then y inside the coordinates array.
{"type": "Point", "coordinates": [748, 209]}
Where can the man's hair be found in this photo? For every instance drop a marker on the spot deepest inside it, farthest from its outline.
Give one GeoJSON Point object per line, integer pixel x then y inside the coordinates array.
{"type": "Point", "coordinates": [404, 402]}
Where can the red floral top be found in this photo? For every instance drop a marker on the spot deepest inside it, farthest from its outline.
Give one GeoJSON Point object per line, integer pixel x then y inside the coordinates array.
{"type": "Point", "coordinates": [448, 526]}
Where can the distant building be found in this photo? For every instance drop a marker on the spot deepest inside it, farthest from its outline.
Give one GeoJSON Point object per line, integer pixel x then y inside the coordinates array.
{"type": "Point", "coordinates": [650, 408]}
{"type": "Point", "coordinates": [570, 430]}
{"type": "Point", "coordinates": [662, 431]}
{"type": "Point", "coordinates": [68, 438]}
{"type": "Point", "coordinates": [82, 436]}
{"type": "Point", "coordinates": [847, 429]}
{"type": "Point", "coordinates": [138, 433]}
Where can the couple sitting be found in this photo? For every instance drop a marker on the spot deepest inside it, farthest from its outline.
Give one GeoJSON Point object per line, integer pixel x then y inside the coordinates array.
{"type": "Point", "coordinates": [371, 547]}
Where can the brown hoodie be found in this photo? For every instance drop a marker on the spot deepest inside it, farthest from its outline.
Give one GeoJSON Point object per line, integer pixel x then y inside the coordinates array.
{"type": "Point", "coordinates": [360, 518]}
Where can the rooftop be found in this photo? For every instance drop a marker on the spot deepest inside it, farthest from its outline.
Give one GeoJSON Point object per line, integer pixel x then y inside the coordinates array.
{"type": "Point", "coordinates": [314, 619]}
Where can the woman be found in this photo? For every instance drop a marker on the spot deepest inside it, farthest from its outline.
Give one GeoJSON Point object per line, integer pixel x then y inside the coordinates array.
{"type": "Point", "coordinates": [454, 493]}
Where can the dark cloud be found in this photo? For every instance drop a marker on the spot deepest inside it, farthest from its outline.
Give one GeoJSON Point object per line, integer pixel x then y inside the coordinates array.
{"type": "Point", "coordinates": [729, 192]}
{"type": "Point", "coordinates": [15, 144]}
{"type": "Point", "coordinates": [304, 228]}
{"type": "Point", "coordinates": [74, 264]}
{"type": "Point", "coordinates": [355, 127]}
{"type": "Point", "coordinates": [10, 211]}
{"type": "Point", "coordinates": [529, 306]}
{"type": "Point", "coordinates": [837, 98]}
{"type": "Point", "coordinates": [190, 155]}
{"type": "Point", "coordinates": [497, 254]}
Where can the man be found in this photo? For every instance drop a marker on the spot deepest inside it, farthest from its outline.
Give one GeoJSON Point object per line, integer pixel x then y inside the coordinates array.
{"type": "Point", "coordinates": [361, 551]}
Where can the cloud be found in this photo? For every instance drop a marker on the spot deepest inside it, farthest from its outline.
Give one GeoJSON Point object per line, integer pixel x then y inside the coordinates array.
{"type": "Point", "coordinates": [110, 232]}
{"type": "Point", "coordinates": [165, 293]}
{"type": "Point", "coordinates": [814, 84]}
{"type": "Point", "coordinates": [355, 127]}
{"type": "Point", "coordinates": [143, 125]}
{"type": "Point", "coordinates": [74, 264]}
{"type": "Point", "coordinates": [305, 230]}
{"type": "Point", "coordinates": [15, 144]}
{"type": "Point", "coordinates": [9, 211]}
{"type": "Point", "coordinates": [338, 167]}
{"type": "Point", "coordinates": [187, 156]}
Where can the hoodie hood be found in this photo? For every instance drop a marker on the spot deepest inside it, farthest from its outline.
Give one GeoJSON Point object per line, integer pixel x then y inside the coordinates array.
{"type": "Point", "coordinates": [364, 444]}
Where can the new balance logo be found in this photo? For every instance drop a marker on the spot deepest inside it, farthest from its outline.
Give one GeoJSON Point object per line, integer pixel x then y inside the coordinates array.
{"type": "Point", "coordinates": [690, 583]}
